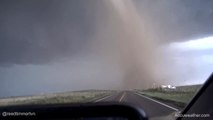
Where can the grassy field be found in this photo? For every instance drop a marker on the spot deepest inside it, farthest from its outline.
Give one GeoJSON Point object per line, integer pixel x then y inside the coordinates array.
{"type": "Point", "coordinates": [67, 97]}
{"type": "Point", "coordinates": [179, 97]}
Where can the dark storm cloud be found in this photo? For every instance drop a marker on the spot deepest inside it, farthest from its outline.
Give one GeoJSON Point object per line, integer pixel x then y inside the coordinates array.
{"type": "Point", "coordinates": [39, 31]}
{"type": "Point", "coordinates": [174, 20]}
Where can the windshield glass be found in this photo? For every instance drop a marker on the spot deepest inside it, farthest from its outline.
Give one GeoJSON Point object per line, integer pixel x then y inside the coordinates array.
{"type": "Point", "coordinates": [134, 51]}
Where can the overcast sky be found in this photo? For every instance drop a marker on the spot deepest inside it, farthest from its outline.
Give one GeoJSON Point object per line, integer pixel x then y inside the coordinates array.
{"type": "Point", "coordinates": [64, 45]}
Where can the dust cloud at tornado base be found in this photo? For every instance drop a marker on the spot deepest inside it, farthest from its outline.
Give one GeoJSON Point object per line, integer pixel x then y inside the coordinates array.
{"type": "Point", "coordinates": [123, 38]}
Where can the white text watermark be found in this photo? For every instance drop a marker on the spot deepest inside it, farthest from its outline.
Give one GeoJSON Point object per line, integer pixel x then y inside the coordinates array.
{"type": "Point", "coordinates": [192, 115]}
{"type": "Point", "coordinates": [5, 114]}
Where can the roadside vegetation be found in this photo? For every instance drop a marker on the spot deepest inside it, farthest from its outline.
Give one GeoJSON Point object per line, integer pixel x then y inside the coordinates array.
{"type": "Point", "coordinates": [66, 97]}
{"type": "Point", "coordinates": [178, 97]}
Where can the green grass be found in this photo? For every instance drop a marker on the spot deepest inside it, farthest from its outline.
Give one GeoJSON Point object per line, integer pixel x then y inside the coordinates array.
{"type": "Point", "coordinates": [179, 97]}
{"type": "Point", "coordinates": [68, 97]}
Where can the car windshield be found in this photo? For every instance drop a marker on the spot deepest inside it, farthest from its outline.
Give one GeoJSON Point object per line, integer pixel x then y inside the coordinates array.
{"type": "Point", "coordinates": [152, 53]}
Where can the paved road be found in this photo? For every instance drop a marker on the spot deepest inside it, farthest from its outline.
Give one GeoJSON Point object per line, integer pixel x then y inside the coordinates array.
{"type": "Point", "coordinates": [151, 107]}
